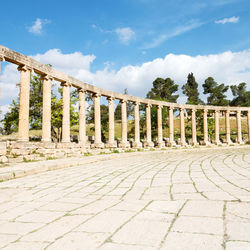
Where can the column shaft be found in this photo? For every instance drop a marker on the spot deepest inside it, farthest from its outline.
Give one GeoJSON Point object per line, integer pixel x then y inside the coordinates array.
{"type": "Point", "coordinates": [82, 118]}
{"type": "Point", "coordinates": [98, 133]}
{"type": "Point", "coordinates": [227, 123]}
{"type": "Point", "coordinates": [171, 126]}
{"type": "Point", "coordinates": [124, 143]}
{"type": "Point", "coordinates": [238, 121]}
{"type": "Point", "coordinates": [149, 142]}
{"type": "Point", "coordinates": [111, 142]}
{"type": "Point", "coordinates": [217, 127]}
{"type": "Point", "coordinates": [46, 119]}
{"type": "Point", "coordinates": [182, 125]}
{"type": "Point", "coordinates": [160, 142]}
{"type": "Point", "coordinates": [66, 113]}
{"type": "Point", "coordinates": [205, 129]}
{"type": "Point", "coordinates": [137, 143]}
{"type": "Point", "coordinates": [194, 134]}
{"type": "Point", "coordinates": [23, 126]}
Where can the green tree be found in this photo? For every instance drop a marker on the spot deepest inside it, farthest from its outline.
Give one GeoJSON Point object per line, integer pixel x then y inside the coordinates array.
{"type": "Point", "coordinates": [241, 95]}
{"type": "Point", "coordinates": [190, 89]}
{"type": "Point", "coordinates": [216, 92]}
{"type": "Point", "coordinates": [163, 90]}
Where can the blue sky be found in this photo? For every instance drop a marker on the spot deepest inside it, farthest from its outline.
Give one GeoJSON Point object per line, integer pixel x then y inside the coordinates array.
{"type": "Point", "coordinates": [127, 43]}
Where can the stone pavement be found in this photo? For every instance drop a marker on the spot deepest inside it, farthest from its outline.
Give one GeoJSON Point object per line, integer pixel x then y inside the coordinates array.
{"type": "Point", "coordinates": [154, 200]}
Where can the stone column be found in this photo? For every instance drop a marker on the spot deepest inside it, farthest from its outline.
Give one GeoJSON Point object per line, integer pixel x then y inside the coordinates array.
{"type": "Point", "coordinates": [171, 127]}
{"type": "Point", "coordinates": [124, 143]}
{"type": "Point", "coordinates": [248, 124]}
{"type": "Point", "coordinates": [217, 127]}
{"type": "Point", "coordinates": [82, 118]}
{"type": "Point", "coordinates": [46, 120]}
{"type": "Point", "coordinates": [2, 59]}
{"type": "Point", "coordinates": [98, 133]}
{"type": "Point", "coordinates": [238, 121]}
{"type": "Point", "coordinates": [194, 135]}
{"type": "Point", "coordinates": [148, 142]}
{"type": "Point", "coordinates": [66, 113]}
{"type": "Point", "coordinates": [23, 125]}
{"type": "Point", "coordinates": [182, 127]}
{"type": "Point", "coordinates": [227, 125]}
{"type": "Point", "coordinates": [160, 142]}
{"type": "Point", "coordinates": [205, 129]}
{"type": "Point", "coordinates": [137, 143]}
{"type": "Point", "coordinates": [111, 143]}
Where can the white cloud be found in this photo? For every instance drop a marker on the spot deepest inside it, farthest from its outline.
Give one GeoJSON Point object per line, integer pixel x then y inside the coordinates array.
{"type": "Point", "coordinates": [67, 63]}
{"type": "Point", "coordinates": [178, 31]}
{"type": "Point", "coordinates": [228, 67]}
{"type": "Point", "coordinates": [37, 27]}
{"type": "Point", "coordinates": [125, 34]}
{"type": "Point", "coordinates": [232, 19]}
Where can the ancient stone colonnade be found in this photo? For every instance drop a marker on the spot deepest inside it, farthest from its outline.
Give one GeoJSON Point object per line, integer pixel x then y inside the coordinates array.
{"type": "Point", "coordinates": [27, 65]}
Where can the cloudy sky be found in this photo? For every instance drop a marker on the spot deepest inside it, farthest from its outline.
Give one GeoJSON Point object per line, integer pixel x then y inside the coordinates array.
{"type": "Point", "coordinates": [117, 44]}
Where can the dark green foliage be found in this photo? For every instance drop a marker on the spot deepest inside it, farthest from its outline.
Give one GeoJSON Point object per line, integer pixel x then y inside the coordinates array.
{"type": "Point", "coordinates": [241, 95]}
{"type": "Point", "coordinates": [163, 90]}
{"type": "Point", "coordinates": [216, 92]}
{"type": "Point", "coordinates": [190, 89]}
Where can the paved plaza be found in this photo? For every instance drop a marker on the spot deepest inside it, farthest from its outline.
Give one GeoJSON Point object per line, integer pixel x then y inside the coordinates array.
{"type": "Point", "coordinates": [179, 199]}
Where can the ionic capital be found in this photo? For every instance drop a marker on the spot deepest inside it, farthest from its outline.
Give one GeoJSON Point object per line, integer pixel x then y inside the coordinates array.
{"type": "Point", "coordinates": [110, 98]}
{"type": "Point", "coordinates": [148, 105]}
{"type": "Point", "coordinates": [193, 110]}
{"type": "Point", "coordinates": [170, 108]}
{"type": "Point", "coordinates": [205, 111]}
{"type": "Point", "coordinates": [65, 84]}
{"type": "Point", "coordinates": [95, 95]}
{"type": "Point", "coordinates": [24, 68]}
{"type": "Point", "coordinates": [2, 59]}
{"type": "Point", "coordinates": [136, 103]}
{"type": "Point", "coordinates": [81, 90]}
{"type": "Point", "coordinates": [123, 101]}
{"type": "Point", "coordinates": [159, 106]}
{"type": "Point", "coordinates": [216, 111]}
{"type": "Point", "coordinates": [47, 77]}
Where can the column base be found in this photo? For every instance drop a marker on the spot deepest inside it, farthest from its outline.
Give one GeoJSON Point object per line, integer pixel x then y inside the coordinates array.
{"type": "Point", "coordinates": [148, 144]}
{"type": "Point", "coordinates": [125, 144]}
{"type": "Point", "coordinates": [229, 142]}
{"type": "Point", "coordinates": [205, 143]}
{"type": "Point", "coordinates": [160, 144]}
{"type": "Point", "coordinates": [183, 143]}
{"type": "Point", "coordinates": [111, 144]}
{"type": "Point", "coordinates": [171, 144]}
{"type": "Point", "coordinates": [137, 145]}
{"type": "Point", "coordinates": [195, 143]}
{"type": "Point", "coordinates": [239, 142]}
{"type": "Point", "coordinates": [218, 143]}
{"type": "Point", "coordinates": [97, 145]}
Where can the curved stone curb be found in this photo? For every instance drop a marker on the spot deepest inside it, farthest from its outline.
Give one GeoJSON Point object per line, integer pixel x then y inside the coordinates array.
{"type": "Point", "coordinates": [25, 169]}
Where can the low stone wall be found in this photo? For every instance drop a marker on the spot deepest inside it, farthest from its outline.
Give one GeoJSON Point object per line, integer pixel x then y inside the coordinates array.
{"type": "Point", "coordinates": [12, 152]}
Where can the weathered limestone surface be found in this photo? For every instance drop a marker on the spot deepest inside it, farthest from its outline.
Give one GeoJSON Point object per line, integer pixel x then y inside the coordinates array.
{"type": "Point", "coordinates": [177, 199]}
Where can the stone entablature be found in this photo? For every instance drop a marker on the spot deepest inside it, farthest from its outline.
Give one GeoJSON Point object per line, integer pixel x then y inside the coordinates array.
{"type": "Point", "coordinates": [26, 65]}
